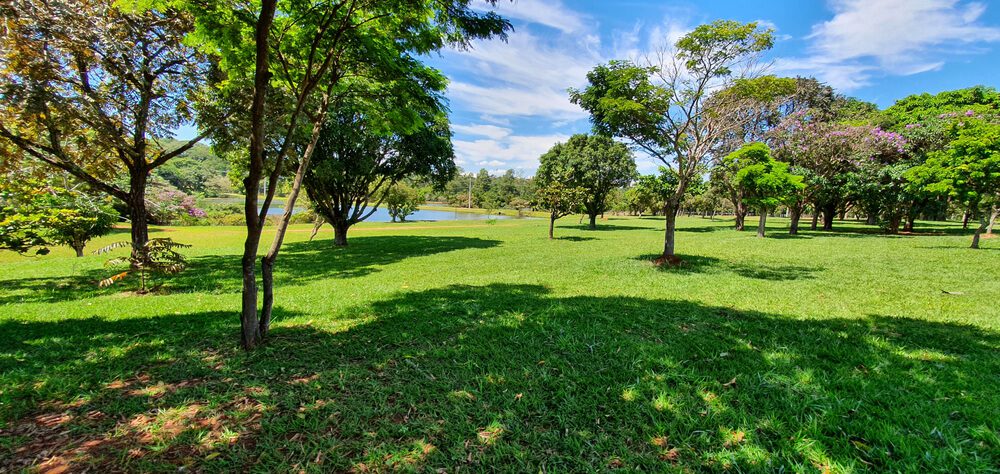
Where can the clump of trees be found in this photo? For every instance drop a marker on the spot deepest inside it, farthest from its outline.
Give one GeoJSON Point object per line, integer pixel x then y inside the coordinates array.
{"type": "Point", "coordinates": [594, 163]}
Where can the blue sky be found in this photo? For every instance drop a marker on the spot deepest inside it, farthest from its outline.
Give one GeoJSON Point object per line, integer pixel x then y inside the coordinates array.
{"type": "Point", "coordinates": [509, 102]}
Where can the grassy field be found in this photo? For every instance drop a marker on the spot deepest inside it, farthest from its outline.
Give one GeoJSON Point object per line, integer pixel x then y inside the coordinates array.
{"type": "Point", "coordinates": [487, 347]}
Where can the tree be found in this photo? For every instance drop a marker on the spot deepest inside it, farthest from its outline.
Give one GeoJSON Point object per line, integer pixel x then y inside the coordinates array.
{"type": "Point", "coordinates": [402, 200]}
{"type": "Point", "coordinates": [89, 87]}
{"type": "Point", "coordinates": [313, 44]}
{"type": "Point", "coordinates": [368, 146]}
{"type": "Point", "coordinates": [34, 213]}
{"type": "Point", "coordinates": [766, 182]}
{"type": "Point", "coordinates": [560, 200]}
{"type": "Point", "coordinates": [968, 170]}
{"type": "Point", "coordinates": [595, 163]}
{"type": "Point", "coordinates": [672, 119]}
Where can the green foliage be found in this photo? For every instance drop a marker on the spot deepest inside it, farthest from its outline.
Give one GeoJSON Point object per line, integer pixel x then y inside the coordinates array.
{"type": "Point", "coordinates": [766, 182]}
{"type": "Point", "coordinates": [36, 214]}
{"type": "Point", "coordinates": [968, 170]}
{"type": "Point", "coordinates": [158, 255]}
{"type": "Point", "coordinates": [559, 199]}
{"type": "Point", "coordinates": [401, 200]}
{"type": "Point", "coordinates": [595, 163]}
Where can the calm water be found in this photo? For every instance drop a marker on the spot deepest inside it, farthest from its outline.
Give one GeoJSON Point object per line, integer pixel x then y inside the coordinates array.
{"type": "Point", "coordinates": [382, 215]}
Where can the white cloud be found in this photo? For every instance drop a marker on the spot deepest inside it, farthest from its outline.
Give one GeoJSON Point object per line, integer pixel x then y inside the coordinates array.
{"type": "Point", "coordinates": [896, 37]}
{"type": "Point", "coordinates": [519, 152]}
{"type": "Point", "coordinates": [481, 130]}
{"type": "Point", "coordinates": [550, 13]}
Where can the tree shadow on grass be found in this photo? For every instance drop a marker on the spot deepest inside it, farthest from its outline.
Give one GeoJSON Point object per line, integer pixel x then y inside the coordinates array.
{"type": "Point", "coordinates": [703, 264]}
{"type": "Point", "coordinates": [504, 377]}
{"type": "Point", "coordinates": [298, 263]}
{"type": "Point", "coordinates": [575, 238]}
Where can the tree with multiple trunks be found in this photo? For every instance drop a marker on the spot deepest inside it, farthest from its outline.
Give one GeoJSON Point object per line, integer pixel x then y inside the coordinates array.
{"type": "Point", "coordinates": [663, 107]}
{"type": "Point", "coordinates": [595, 163]}
{"type": "Point", "coordinates": [88, 88]}
{"type": "Point", "coordinates": [289, 58]}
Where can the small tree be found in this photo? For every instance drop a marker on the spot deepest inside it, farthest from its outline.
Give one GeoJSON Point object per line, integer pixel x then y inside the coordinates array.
{"type": "Point", "coordinates": [766, 182]}
{"type": "Point", "coordinates": [36, 214]}
{"type": "Point", "coordinates": [402, 200]}
{"type": "Point", "coordinates": [156, 256]}
{"type": "Point", "coordinates": [560, 200]}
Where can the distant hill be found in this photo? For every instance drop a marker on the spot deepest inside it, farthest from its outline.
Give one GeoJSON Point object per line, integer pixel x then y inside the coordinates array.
{"type": "Point", "coordinates": [197, 171]}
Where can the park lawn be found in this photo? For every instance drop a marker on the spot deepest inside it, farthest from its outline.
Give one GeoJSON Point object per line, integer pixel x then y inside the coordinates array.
{"type": "Point", "coordinates": [486, 347]}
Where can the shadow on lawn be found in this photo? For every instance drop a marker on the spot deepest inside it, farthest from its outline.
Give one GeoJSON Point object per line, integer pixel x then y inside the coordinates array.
{"type": "Point", "coordinates": [299, 262]}
{"type": "Point", "coordinates": [758, 271]}
{"type": "Point", "coordinates": [508, 377]}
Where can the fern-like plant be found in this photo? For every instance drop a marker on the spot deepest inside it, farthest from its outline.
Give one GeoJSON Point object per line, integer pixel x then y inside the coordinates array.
{"type": "Point", "coordinates": [157, 256]}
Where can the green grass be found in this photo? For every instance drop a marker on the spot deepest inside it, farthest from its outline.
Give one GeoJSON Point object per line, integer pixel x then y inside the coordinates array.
{"type": "Point", "coordinates": [487, 347]}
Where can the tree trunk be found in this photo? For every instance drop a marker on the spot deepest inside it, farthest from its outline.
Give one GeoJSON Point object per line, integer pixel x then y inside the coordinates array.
{"type": "Point", "coordinates": [593, 222]}
{"type": "Point", "coordinates": [993, 219]}
{"type": "Point", "coordinates": [670, 212]}
{"type": "Point", "coordinates": [78, 247]}
{"type": "Point", "coordinates": [552, 226]}
{"type": "Point", "coordinates": [965, 220]}
{"type": "Point", "coordinates": [340, 233]}
{"type": "Point", "coordinates": [815, 218]}
{"type": "Point", "coordinates": [979, 230]}
{"type": "Point", "coordinates": [872, 219]}
{"type": "Point", "coordinates": [893, 225]}
{"type": "Point", "coordinates": [250, 327]}
{"type": "Point", "coordinates": [267, 263]}
{"type": "Point", "coordinates": [761, 223]}
{"type": "Point", "coordinates": [137, 214]}
{"type": "Point", "coordinates": [794, 214]}
{"type": "Point", "coordinates": [829, 213]}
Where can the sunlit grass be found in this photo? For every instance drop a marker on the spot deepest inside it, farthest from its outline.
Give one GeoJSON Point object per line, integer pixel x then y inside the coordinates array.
{"type": "Point", "coordinates": [488, 347]}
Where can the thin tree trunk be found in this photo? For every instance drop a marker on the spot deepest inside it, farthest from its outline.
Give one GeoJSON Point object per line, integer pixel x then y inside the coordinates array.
{"type": "Point", "coordinates": [761, 223]}
{"type": "Point", "coordinates": [740, 212]}
{"type": "Point", "coordinates": [552, 226]}
{"type": "Point", "coordinates": [78, 247]}
{"type": "Point", "coordinates": [250, 327]}
{"type": "Point", "coordinates": [979, 230]}
{"type": "Point", "coordinates": [965, 220]}
{"type": "Point", "coordinates": [815, 218]}
{"type": "Point", "coordinates": [993, 219]}
{"type": "Point", "coordinates": [267, 262]}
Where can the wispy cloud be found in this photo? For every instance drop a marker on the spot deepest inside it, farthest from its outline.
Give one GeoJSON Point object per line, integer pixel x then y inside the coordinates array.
{"type": "Point", "coordinates": [866, 38]}
{"type": "Point", "coordinates": [550, 13]}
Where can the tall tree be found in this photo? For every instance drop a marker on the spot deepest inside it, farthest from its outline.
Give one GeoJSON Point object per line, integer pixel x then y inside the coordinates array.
{"type": "Point", "coordinates": [663, 107]}
{"type": "Point", "coordinates": [292, 55]}
{"type": "Point", "coordinates": [595, 163]}
{"type": "Point", "coordinates": [89, 86]}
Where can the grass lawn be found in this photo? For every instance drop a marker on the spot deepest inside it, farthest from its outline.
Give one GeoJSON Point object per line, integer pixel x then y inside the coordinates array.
{"type": "Point", "coordinates": [486, 347]}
